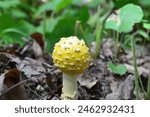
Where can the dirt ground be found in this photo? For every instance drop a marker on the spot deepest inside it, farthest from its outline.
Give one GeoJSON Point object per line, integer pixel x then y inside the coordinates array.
{"type": "Point", "coordinates": [43, 81]}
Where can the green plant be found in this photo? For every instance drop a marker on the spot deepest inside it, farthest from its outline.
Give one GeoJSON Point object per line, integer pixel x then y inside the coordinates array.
{"type": "Point", "coordinates": [14, 25]}
{"type": "Point", "coordinates": [128, 16]}
{"type": "Point", "coordinates": [136, 74]}
{"type": "Point", "coordinates": [98, 21]}
{"type": "Point", "coordinates": [138, 81]}
{"type": "Point", "coordinates": [79, 28]}
{"type": "Point", "coordinates": [148, 89]}
{"type": "Point", "coordinates": [120, 69]}
{"type": "Point", "coordinates": [146, 25]}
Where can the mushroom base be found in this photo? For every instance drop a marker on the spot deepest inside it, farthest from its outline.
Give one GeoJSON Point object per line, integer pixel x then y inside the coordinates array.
{"type": "Point", "coordinates": [69, 90]}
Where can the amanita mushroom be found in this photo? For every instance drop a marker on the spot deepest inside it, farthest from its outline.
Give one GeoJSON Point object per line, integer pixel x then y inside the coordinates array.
{"type": "Point", "coordinates": [72, 57]}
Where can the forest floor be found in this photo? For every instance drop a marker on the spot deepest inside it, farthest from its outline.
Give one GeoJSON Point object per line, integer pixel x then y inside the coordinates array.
{"type": "Point", "coordinates": [42, 80]}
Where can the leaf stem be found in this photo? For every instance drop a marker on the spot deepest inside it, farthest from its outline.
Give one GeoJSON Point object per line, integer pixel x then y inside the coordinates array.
{"type": "Point", "coordinates": [116, 46]}
{"type": "Point", "coordinates": [148, 88]}
{"type": "Point", "coordinates": [136, 75]}
{"type": "Point", "coordinates": [78, 27]}
{"type": "Point", "coordinates": [99, 33]}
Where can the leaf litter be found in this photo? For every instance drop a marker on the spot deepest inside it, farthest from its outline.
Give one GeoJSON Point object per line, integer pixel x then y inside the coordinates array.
{"type": "Point", "coordinates": [43, 81]}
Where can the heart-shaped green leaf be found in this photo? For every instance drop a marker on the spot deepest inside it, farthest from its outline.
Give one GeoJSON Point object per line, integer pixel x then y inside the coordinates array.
{"type": "Point", "coordinates": [119, 69]}
{"type": "Point", "coordinates": [128, 15]}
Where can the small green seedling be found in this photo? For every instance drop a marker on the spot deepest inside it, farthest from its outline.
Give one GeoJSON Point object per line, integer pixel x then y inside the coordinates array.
{"type": "Point", "coordinates": [119, 69]}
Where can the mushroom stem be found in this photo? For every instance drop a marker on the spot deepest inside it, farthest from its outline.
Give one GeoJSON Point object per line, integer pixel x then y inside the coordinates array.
{"type": "Point", "coordinates": [69, 90]}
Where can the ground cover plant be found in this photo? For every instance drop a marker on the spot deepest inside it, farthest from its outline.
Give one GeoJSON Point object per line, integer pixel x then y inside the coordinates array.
{"type": "Point", "coordinates": [116, 32]}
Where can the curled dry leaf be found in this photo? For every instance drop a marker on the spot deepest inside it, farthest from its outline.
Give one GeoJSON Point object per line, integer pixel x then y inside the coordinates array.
{"type": "Point", "coordinates": [7, 81]}
{"type": "Point", "coordinates": [38, 52]}
{"type": "Point", "coordinates": [38, 37]}
{"type": "Point", "coordinates": [88, 83]}
{"type": "Point", "coordinates": [38, 44]}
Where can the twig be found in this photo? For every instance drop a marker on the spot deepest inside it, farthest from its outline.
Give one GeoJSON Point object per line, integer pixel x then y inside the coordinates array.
{"type": "Point", "coordinates": [52, 91]}
{"type": "Point", "coordinates": [33, 91]}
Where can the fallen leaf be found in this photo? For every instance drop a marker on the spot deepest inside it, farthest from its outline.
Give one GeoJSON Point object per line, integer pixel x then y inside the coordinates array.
{"type": "Point", "coordinates": [9, 79]}
{"type": "Point", "coordinates": [38, 37]}
{"type": "Point", "coordinates": [88, 84]}
{"type": "Point", "coordinates": [142, 71]}
{"type": "Point", "coordinates": [122, 89]}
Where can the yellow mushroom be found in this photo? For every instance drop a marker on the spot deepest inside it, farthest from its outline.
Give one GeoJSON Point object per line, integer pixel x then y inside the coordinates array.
{"type": "Point", "coordinates": [72, 57]}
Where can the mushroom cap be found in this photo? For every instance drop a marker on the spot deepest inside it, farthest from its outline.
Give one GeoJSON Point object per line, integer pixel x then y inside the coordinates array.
{"type": "Point", "coordinates": [71, 55]}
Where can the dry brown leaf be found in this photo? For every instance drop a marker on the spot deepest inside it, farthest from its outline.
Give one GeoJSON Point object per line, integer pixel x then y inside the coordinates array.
{"type": "Point", "coordinates": [8, 80]}
{"type": "Point", "coordinates": [142, 71]}
{"type": "Point", "coordinates": [122, 89]}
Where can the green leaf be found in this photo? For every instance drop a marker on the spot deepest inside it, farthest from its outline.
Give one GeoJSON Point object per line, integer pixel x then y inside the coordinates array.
{"type": "Point", "coordinates": [111, 24]}
{"type": "Point", "coordinates": [18, 13]}
{"type": "Point", "coordinates": [61, 4]}
{"type": "Point", "coordinates": [6, 21]}
{"type": "Point", "coordinates": [63, 28]}
{"type": "Point", "coordinates": [94, 18]}
{"type": "Point", "coordinates": [83, 14]}
{"type": "Point", "coordinates": [13, 35]}
{"type": "Point", "coordinates": [143, 34]}
{"type": "Point", "coordinates": [54, 5]}
{"type": "Point", "coordinates": [64, 25]}
{"type": "Point", "coordinates": [78, 2]}
{"type": "Point", "coordinates": [119, 69]}
{"type": "Point", "coordinates": [12, 40]}
{"type": "Point", "coordinates": [13, 30]}
{"type": "Point", "coordinates": [50, 24]}
{"type": "Point", "coordinates": [26, 27]}
{"type": "Point", "coordinates": [7, 4]}
{"type": "Point", "coordinates": [145, 2]}
{"type": "Point", "coordinates": [146, 26]}
{"type": "Point", "coordinates": [27, 7]}
{"type": "Point", "coordinates": [95, 3]}
{"type": "Point", "coordinates": [45, 7]}
{"type": "Point", "coordinates": [128, 16]}
{"type": "Point", "coordinates": [90, 38]}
